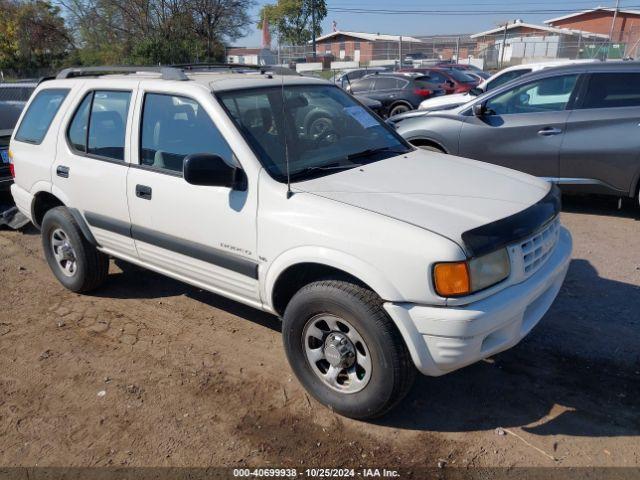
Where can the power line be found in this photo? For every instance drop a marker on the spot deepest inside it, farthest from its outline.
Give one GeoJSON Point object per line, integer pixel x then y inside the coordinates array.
{"type": "Point", "coordinates": [453, 12]}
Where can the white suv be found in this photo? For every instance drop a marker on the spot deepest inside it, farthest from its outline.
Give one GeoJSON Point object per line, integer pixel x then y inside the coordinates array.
{"type": "Point", "coordinates": [286, 194]}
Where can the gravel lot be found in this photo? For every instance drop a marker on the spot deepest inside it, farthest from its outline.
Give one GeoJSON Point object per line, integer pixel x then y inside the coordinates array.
{"type": "Point", "coordinates": [151, 372]}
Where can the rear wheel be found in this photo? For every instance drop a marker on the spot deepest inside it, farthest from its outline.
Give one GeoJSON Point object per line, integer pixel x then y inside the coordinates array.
{"type": "Point", "coordinates": [398, 109]}
{"type": "Point", "coordinates": [345, 350]}
{"type": "Point", "coordinates": [77, 264]}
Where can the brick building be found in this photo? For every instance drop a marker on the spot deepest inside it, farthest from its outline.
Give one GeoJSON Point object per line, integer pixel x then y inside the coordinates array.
{"type": "Point", "coordinates": [361, 47]}
{"type": "Point", "coordinates": [626, 28]}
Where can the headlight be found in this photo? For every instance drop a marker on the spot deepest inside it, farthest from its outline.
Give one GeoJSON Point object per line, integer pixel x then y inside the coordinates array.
{"type": "Point", "coordinates": [455, 279]}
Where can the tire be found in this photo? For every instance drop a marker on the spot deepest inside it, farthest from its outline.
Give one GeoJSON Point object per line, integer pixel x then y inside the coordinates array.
{"type": "Point", "coordinates": [77, 264]}
{"type": "Point", "coordinates": [430, 148]}
{"type": "Point", "coordinates": [398, 109]}
{"type": "Point", "coordinates": [363, 394]}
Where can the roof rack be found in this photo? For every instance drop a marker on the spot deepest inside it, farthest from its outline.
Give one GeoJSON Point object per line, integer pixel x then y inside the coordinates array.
{"type": "Point", "coordinates": [220, 66]}
{"type": "Point", "coordinates": [167, 73]}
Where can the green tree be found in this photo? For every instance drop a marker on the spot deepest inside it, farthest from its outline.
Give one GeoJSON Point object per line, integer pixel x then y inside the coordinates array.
{"type": "Point", "coordinates": [291, 20]}
{"type": "Point", "coordinates": [34, 36]}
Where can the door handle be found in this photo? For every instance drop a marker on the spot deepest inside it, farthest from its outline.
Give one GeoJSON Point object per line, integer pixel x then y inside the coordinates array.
{"type": "Point", "coordinates": [144, 192]}
{"type": "Point", "coordinates": [62, 171]}
{"type": "Point", "coordinates": [549, 131]}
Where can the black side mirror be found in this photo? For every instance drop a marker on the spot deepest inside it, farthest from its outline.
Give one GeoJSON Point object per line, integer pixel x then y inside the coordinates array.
{"type": "Point", "coordinates": [479, 110]}
{"type": "Point", "coordinates": [211, 170]}
{"type": "Point", "coordinates": [476, 91]}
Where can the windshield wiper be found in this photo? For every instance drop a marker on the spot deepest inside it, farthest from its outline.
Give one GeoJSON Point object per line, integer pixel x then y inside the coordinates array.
{"type": "Point", "coordinates": [372, 151]}
{"type": "Point", "coordinates": [323, 168]}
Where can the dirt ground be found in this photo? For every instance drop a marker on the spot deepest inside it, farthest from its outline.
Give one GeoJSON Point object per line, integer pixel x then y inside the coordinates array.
{"type": "Point", "coordinates": [148, 371]}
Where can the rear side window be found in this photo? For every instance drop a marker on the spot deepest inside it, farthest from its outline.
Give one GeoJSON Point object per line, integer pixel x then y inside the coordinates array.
{"type": "Point", "coordinates": [174, 127]}
{"type": "Point", "coordinates": [612, 90]}
{"type": "Point", "coordinates": [38, 118]}
{"type": "Point", "coordinates": [362, 85]}
{"type": "Point", "coordinates": [99, 124]}
{"type": "Point", "coordinates": [383, 83]}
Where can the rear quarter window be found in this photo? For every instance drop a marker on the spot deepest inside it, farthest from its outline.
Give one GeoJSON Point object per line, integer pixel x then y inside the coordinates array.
{"type": "Point", "coordinates": [40, 114]}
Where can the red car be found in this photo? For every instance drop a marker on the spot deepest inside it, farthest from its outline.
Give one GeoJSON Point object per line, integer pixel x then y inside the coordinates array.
{"type": "Point", "coordinates": [451, 79]}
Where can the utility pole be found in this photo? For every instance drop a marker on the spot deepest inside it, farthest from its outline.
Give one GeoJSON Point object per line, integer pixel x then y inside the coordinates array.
{"type": "Point", "coordinates": [504, 44]}
{"type": "Point", "coordinates": [613, 25]}
{"type": "Point", "coordinates": [458, 50]}
{"type": "Point", "coordinates": [400, 52]}
{"type": "Point", "coordinates": [313, 27]}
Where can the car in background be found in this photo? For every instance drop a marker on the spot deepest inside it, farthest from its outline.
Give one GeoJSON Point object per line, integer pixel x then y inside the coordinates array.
{"type": "Point", "coordinates": [344, 78]}
{"type": "Point", "coordinates": [13, 98]}
{"type": "Point", "coordinates": [6, 179]}
{"type": "Point", "coordinates": [410, 58]}
{"type": "Point", "coordinates": [495, 81]}
{"type": "Point", "coordinates": [451, 79]}
{"type": "Point", "coordinates": [576, 125]}
{"type": "Point", "coordinates": [481, 76]}
{"type": "Point", "coordinates": [398, 93]}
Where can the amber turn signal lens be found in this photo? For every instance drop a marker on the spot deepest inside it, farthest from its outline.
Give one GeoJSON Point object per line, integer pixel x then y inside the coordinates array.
{"type": "Point", "coordinates": [452, 279]}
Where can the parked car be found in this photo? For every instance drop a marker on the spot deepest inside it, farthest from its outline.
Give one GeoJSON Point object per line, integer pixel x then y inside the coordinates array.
{"type": "Point", "coordinates": [452, 80]}
{"type": "Point", "coordinates": [479, 76]}
{"type": "Point", "coordinates": [6, 178]}
{"type": "Point", "coordinates": [412, 57]}
{"type": "Point", "coordinates": [576, 125]}
{"type": "Point", "coordinates": [398, 93]}
{"type": "Point", "coordinates": [500, 78]}
{"type": "Point", "coordinates": [380, 258]}
{"type": "Point", "coordinates": [13, 98]}
{"type": "Point", "coordinates": [349, 75]}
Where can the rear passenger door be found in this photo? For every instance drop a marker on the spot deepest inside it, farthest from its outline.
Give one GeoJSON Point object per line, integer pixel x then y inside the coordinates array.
{"type": "Point", "coordinates": [90, 170]}
{"type": "Point", "coordinates": [601, 146]}
{"type": "Point", "coordinates": [201, 234]}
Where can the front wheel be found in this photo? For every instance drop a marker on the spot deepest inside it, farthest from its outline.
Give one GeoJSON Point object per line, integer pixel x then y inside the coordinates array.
{"type": "Point", "coordinates": [345, 350]}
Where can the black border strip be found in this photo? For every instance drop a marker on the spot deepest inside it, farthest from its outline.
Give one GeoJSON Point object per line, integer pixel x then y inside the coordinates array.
{"type": "Point", "coordinates": [495, 235]}
{"type": "Point", "coordinates": [207, 254]}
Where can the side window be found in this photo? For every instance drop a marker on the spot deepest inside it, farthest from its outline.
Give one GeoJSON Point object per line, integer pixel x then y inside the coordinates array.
{"type": "Point", "coordinates": [546, 95]}
{"type": "Point", "coordinates": [437, 77]}
{"type": "Point", "coordinates": [363, 85]}
{"type": "Point", "coordinates": [103, 115]}
{"type": "Point", "coordinates": [174, 127]}
{"type": "Point", "coordinates": [506, 77]}
{"type": "Point", "coordinates": [383, 83]}
{"type": "Point", "coordinates": [77, 133]}
{"type": "Point", "coordinates": [611, 90]}
{"type": "Point", "coordinates": [38, 118]}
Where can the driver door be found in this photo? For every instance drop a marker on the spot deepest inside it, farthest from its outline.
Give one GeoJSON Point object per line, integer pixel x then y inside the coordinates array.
{"type": "Point", "coordinates": [522, 127]}
{"type": "Point", "coordinates": [205, 235]}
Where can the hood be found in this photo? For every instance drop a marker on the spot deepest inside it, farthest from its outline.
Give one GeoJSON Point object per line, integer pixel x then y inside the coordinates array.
{"type": "Point", "coordinates": [441, 193]}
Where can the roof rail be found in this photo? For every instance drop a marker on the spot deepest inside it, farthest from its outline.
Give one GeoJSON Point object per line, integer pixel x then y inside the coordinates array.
{"type": "Point", "coordinates": [206, 66]}
{"type": "Point", "coordinates": [167, 73]}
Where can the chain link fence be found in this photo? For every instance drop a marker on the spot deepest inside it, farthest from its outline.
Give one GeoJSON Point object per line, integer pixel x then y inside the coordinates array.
{"type": "Point", "coordinates": [489, 52]}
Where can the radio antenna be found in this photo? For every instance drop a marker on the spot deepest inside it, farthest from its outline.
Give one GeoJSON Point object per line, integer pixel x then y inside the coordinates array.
{"type": "Point", "coordinates": [284, 132]}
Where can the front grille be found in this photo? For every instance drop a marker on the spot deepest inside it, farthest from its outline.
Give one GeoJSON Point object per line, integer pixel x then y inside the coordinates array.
{"type": "Point", "coordinates": [537, 249]}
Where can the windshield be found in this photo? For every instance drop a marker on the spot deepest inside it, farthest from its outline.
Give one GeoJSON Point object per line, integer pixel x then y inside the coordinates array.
{"type": "Point", "coordinates": [325, 130]}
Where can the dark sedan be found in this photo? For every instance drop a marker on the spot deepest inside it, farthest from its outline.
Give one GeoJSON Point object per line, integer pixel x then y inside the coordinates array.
{"type": "Point", "coordinates": [398, 93]}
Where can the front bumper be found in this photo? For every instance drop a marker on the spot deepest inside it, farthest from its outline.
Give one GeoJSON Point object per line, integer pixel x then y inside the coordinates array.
{"type": "Point", "coordinates": [443, 339]}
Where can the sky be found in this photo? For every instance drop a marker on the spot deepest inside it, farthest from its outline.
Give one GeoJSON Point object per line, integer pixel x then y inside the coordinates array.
{"type": "Point", "coordinates": [453, 16]}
